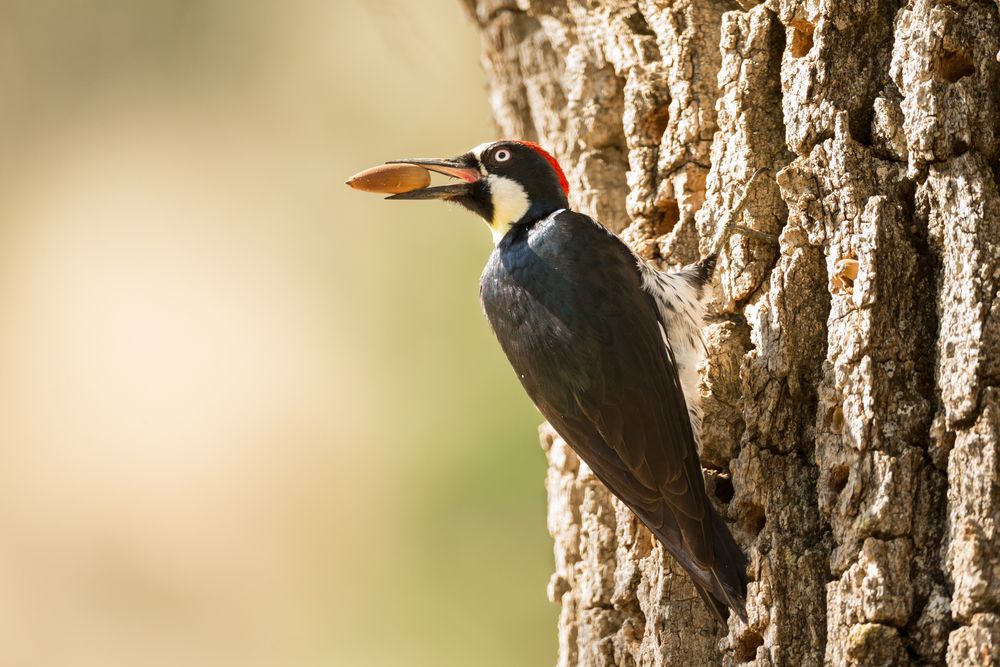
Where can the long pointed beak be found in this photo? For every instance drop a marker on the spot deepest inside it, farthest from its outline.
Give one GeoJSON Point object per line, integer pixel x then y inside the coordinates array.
{"type": "Point", "coordinates": [463, 167]}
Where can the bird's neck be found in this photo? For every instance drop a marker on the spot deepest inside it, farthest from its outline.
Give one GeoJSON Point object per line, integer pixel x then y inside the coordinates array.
{"type": "Point", "coordinates": [535, 211]}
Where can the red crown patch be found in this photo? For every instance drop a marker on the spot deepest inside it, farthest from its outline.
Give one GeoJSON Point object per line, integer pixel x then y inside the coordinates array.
{"type": "Point", "coordinates": [551, 160]}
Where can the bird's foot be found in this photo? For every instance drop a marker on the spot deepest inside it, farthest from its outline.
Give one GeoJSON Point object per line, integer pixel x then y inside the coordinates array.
{"type": "Point", "coordinates": [729, 225]}
{"type": "Point", "coordinates": [753, 233]}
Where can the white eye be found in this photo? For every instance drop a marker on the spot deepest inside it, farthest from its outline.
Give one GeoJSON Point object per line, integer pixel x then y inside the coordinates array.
{"type": "Point", "coordinates": [502, 155]}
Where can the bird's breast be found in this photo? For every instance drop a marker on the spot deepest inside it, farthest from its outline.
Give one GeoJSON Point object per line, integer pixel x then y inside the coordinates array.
{"type": "Point", "coordinates": [553, 294]}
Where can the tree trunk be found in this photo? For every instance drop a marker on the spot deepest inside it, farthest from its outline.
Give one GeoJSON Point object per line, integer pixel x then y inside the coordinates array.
{"type": "Point", "coordinates": [852, 424]}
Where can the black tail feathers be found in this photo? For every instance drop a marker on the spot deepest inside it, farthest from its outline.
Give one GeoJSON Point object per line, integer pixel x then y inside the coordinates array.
{"type": "Point", "coordinates": [729, 574]}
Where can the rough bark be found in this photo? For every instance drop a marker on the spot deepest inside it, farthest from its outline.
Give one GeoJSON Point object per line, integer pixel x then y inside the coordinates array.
{"type": "Point", "coordinates": [852, 427]}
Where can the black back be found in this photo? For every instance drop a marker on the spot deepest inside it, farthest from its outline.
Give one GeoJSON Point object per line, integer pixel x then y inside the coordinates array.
{"type": "Point", "coordinates": [565, 300]}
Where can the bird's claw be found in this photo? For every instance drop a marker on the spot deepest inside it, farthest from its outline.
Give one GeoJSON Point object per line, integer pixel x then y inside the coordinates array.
{"type": "Point", "coordinates": [729, 225]}
{"type": "Point", "coordinates": [755, 234]}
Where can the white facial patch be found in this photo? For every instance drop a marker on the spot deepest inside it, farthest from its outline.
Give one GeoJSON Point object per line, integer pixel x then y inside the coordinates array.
{"type": "Point", "coordinates": [480, 149]}
{"type": "Point", "coordinates": [510, 203]}
{"type": "Point", "coordinates": [478, 152]}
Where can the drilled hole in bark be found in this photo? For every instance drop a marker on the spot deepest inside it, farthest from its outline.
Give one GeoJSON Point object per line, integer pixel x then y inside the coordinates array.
{"type": "Point", "coordinates": [638, 25]}
{"type": "Point", "coordinates": [837, 419]}
{"type": "Point", "coordinates": [670, 213]}
{"type": "Point", "coordinates": [746, 646]}
{"type": "Point", "coordinates": [953, 65]}
{"type": "Point", "coordinates": [755, 519]}
{"type": "Point", "coordinates": [724, 490]}
{"type": "Point", "coordinates": [802, 37]}
{"type": "Point", "coordinates": [838, 478]}
{"type": "Point", "coordinates": [658, 121]}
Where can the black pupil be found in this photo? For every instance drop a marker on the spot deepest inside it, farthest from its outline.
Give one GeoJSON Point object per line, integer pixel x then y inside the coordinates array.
{"type": "Point", "coordinates": [502, 156]}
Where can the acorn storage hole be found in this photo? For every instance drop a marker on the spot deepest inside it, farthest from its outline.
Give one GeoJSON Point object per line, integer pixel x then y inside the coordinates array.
{"type": "Point", "coordinates": [837, 419]}
{"type": "Point", "coordinates": [669, 214]}
{"type": "Point", "coordinates": [953, 65]}
{"type": "Point", "coordinates": [745, 648]}
{"type": "Point", "coordinates": [755, 519]}
{"type": "Point", "coordinates": [724, 490]}
{"type": "Point", "coordinates": [802, 37]}
{"type": "Point", "coordinates": [838, 478]}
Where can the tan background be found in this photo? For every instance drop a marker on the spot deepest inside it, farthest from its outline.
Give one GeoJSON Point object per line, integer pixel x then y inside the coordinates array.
{"type": "Point", "coordinates": [247, 416]}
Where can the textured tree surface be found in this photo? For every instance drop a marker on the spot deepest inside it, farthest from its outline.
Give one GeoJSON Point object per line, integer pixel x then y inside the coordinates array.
{"type": "Point", "coordinates": [852, 424]}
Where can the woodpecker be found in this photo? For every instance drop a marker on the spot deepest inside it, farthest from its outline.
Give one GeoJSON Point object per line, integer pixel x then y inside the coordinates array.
{"type": "Point", "coordinates": [605, 345]}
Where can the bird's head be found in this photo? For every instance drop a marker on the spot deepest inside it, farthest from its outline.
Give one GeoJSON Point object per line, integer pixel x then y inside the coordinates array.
{"type": "Point", "coordinates": [505, 182]}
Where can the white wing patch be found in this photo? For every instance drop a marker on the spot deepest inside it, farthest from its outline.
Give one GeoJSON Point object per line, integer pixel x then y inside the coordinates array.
{"type": "Point", "coordinates": [682, 305]}
{"type": "Point", "coordinates": [682, 309]}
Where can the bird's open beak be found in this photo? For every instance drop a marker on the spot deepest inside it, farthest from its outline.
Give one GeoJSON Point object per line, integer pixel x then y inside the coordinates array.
{"type": "Point", "coordinates": [463, 167]}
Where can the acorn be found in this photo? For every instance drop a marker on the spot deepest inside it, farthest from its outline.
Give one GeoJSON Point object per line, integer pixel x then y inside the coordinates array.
{"type": "Point", "coordinates": [845, 272]}
{"type": "Point", "coordinates": [391, 179]}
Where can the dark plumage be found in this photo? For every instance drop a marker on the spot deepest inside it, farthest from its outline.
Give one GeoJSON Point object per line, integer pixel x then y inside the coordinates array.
{"type": "Point", "coordinates": [602, 344]}
{"type": "Point", "coordinates": [566, 302]}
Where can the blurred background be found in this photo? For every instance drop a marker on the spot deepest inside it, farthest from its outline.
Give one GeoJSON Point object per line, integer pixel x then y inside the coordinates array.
{"type": "Point", "coordinates": [248, 416]}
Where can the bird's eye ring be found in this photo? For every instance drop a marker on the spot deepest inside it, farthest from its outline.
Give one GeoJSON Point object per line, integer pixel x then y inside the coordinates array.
{"type": "Point", "coordinates": [502, 155]}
